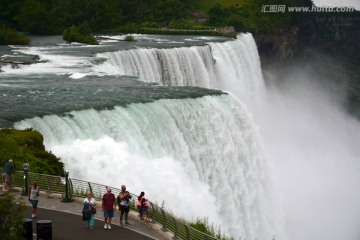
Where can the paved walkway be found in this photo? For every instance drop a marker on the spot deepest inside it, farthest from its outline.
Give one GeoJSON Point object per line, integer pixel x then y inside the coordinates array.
{"type": "Point", "coordinates": [68, 225]}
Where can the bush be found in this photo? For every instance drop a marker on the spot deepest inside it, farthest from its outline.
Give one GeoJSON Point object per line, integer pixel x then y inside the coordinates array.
{"type": "Point", "coordinates": [81, 34]}
{"type": "Point", "coordinates": [202, 225]}
{"type": "Point", "coordinates": [11, 37]}
{"type": "Point", "coordinates": [129, 38]}
{"type": "Point", "coordinates": [11, 217]}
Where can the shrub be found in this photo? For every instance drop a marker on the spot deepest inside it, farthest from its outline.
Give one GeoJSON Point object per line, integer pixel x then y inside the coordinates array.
{"type": "Point", "coordinates": [81, 34]}
{"type": "Point", "coordinates": [9, 36]}
{"type": "Point", "coordinates": [129, 38]}
{"type": "Point", "coordinates": [11, 217]}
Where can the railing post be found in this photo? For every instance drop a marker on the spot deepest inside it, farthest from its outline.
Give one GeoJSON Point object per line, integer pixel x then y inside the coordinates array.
{"type": "Point", "coordinates": [187, 232]}
{"type": "Point", "coordinates": [66, 198]}
{"type": "Point", "coordinates": [49, 189]}
{"type": "Point", "coordinates": [153, 213]}
{"type": "Point", "coordinates": [176, 229]}
{"type": "Point", "coordinates": [164, 217]}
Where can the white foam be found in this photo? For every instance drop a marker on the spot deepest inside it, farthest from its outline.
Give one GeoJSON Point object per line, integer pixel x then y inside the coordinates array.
{"type": "Point", "coordinates": [197, 149]}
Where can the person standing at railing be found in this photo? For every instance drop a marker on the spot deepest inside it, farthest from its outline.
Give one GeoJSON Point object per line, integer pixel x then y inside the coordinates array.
{"type": "Point", "coordinates": [89, 203]}
{"type": "Point", "coordinates": [33, 195]}
{"type": "Point", "coordinates": [124, 204]}
{"type": "Point", "coordinates": [8, 170]}
{"type": "Point", "coordinates": [108, 206]}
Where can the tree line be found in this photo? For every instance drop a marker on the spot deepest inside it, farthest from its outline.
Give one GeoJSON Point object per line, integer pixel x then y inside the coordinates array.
{"type": "Point", "coordinates": [54, 16]}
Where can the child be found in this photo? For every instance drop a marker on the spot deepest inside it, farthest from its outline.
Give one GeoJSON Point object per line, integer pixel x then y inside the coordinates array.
{"type": "Point", "coordinates": [138, 204]}
{"type": "Point", "coordinates": [145, 203]}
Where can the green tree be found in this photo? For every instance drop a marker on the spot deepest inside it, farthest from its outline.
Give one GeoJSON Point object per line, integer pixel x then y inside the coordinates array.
{"type": "Point", "coordinates": [217, 15]}
{"type": "Point", "coordinates": [251, 17]}
{"type": "Point", "coordinates": [11, 218]}
{"type": "Point", "coordinates": [34, 17]}
{"type": "Point", "coordinates": [9, 9]}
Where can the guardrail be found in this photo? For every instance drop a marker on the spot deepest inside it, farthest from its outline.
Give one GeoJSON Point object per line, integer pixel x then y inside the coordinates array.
{"type": "Point", "coordinates": [78, 188]}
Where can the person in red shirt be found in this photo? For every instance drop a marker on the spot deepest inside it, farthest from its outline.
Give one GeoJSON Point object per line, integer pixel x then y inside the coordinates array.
{"type": "Point", "coordinates": [108, 207]}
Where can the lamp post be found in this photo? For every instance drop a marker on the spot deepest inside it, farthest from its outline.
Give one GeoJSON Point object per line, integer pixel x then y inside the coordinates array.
{"type": "Point", "coordinates": [26, 169]}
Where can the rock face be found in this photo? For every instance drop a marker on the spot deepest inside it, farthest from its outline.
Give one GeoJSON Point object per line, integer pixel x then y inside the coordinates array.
{"type": "Point", "coordinates": [328, 43]}
{"type": "Point", "coordinates": [320, 31]}
{"type": "Point", "coordinates": [280, 44]}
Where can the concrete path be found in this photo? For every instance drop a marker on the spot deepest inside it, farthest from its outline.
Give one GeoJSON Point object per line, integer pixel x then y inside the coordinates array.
{"type": "Point", "coordinates": [70, 227]}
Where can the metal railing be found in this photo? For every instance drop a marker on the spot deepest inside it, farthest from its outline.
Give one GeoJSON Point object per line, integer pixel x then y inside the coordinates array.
{"type": "Point", "coordinates": [78, 188]}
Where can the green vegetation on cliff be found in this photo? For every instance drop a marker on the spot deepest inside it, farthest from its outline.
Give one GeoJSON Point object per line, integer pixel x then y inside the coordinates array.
{"type": "Point", "coordinates": [27, 147]}
{"type": "Point", "coordinates": [254, 16]}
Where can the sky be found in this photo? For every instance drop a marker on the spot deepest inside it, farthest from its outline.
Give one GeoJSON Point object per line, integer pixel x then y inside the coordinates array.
{"type": "Point", "coordinates": [350, 3]}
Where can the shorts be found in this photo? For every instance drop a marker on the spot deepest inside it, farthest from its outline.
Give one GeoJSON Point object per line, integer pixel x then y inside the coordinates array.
{"type": "Point", "coordinates": [6, 178]}
{"type": "Point", "coordinates": [34, 203]}
{"type": "Point", "coordinates": [108, 213]}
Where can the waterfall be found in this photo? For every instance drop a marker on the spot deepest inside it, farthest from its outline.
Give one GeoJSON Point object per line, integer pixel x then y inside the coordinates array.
{"type": "Point", "coordinates": [172, 67]}
{"type": "Point", "coordinates": [238, 68]}
{"type": "Point", "coordinates": [232, 65]}
{"type": "Point", "coordinates": [202, 156]}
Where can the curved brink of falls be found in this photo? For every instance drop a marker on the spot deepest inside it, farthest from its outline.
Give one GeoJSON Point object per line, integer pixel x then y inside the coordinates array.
{"type": "Point", "coordinates": [213, 138]}
{"type": "Point", "coordinates": [232, 65]}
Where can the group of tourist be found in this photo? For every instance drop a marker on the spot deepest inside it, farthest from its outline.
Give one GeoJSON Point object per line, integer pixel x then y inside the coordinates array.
{"type": "Point", "coordinates": [108, 207]}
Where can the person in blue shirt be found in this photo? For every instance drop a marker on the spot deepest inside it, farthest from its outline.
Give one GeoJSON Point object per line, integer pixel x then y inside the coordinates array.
{"type": "Point", "coordinates": [8, 170]}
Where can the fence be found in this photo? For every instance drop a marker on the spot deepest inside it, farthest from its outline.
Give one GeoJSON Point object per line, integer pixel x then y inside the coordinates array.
{"type": "Point", "coordinates": [79, 188]}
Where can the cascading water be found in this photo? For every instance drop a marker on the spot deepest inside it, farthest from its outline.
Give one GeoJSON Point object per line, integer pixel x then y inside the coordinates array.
{"type": "Point", "coordinates": [232, 65]}
{"type": "Point", "coordinates": [238, 68]}
{"type": "Point", "coordinates": [202, 155]}
{"type": "Point", "coordinates": [173, 67]}
{"type": "Point", "coordinates": [295, 136]}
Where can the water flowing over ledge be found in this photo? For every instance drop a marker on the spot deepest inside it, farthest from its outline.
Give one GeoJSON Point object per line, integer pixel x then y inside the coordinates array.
{"type": "Point", "coordinates": [200, 150]}
{"type": "Point", "coordinates": [232, 65]}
